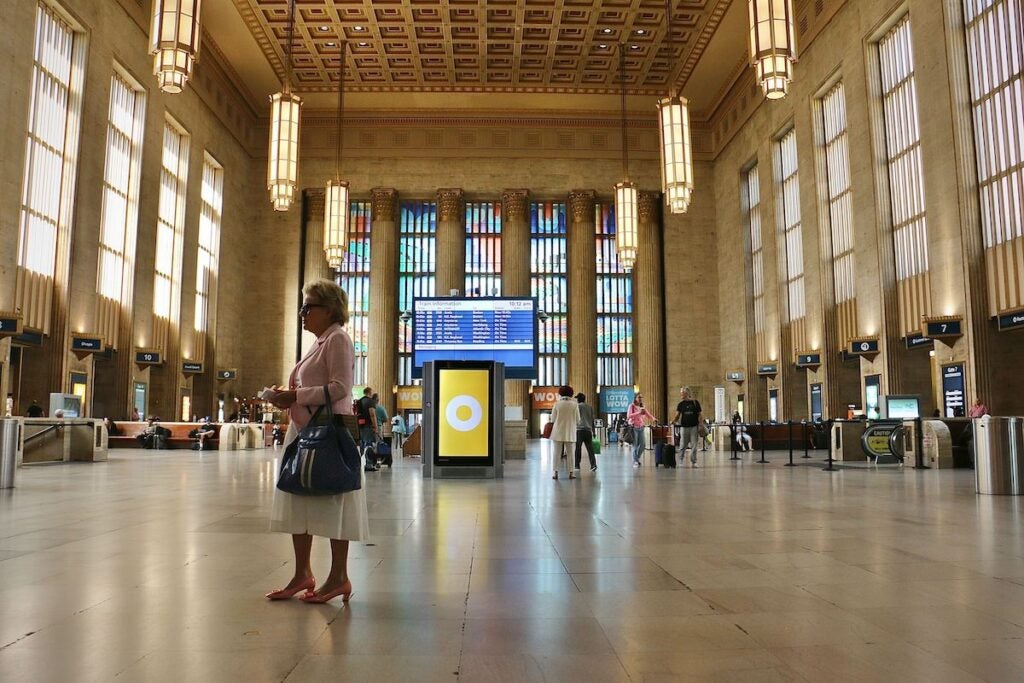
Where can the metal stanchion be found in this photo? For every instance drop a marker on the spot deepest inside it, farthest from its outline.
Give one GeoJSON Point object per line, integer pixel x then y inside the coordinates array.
{"type": "Point", "coordinates": [919, 445]}
{"type": "Point", "coordinates": [829, 467]}
{"type": "Point", "coordinates": [790, 463]}
{"type": "Point", "coordinates": [806, 438]}
{"type": "Point", "coordinates": [732, 438]}
{"type": "Point", "coordinates": [762, 461]}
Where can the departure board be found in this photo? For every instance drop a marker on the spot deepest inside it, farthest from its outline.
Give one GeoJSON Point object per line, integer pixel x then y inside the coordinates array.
{"type": "Point", "coordinates": [495, 329]}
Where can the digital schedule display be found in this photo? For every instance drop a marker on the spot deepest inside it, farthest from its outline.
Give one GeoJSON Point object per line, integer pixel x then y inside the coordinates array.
{"type": "Point", "coordinates": [503, 330]}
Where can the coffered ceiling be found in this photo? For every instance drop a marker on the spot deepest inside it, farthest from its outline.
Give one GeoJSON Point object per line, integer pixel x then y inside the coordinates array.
{"type": "Point", "coordinates": [555, 54]}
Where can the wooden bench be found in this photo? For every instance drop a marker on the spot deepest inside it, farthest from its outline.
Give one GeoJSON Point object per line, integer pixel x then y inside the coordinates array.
{"type": "Point", "coordinates": [179, 437]}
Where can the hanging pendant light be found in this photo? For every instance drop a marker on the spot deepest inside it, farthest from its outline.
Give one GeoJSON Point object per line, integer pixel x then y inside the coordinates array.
{"type": "Point", "coordinates": [283, 163]}
{"type": "Point", "coordinates": [336, 204]}
{"type": "Point", "coordinates": [772, 45]}
{"type": "Point", "coordinates": [676, 153]}
{"type": "Point", "coordinates": [174, 42]}
{"type": "Point", "coordinates": [625, 192]}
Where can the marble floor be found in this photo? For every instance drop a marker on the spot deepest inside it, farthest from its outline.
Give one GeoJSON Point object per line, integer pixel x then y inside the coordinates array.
{"type": "Point", "coordinates": [152, 567]}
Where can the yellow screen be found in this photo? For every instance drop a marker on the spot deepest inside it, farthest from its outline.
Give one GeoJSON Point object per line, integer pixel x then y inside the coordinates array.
{"type": "Point", "coordinates": [463, 418]}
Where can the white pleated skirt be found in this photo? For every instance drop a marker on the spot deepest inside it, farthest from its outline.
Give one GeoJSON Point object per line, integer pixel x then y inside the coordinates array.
{"type": "Point", "coordinates": [342, 516]}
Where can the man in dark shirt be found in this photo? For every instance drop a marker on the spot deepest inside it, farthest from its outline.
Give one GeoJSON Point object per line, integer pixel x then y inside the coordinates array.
{"type": "Point", "coordinates": [369, 430]}
{"type": "Point", "coordinates": [689, 416]}
{"type": "Point", "coordinates": [34, 410]}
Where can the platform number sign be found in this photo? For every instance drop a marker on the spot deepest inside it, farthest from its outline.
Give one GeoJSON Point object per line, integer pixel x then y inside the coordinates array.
{"type": "Point", "coordinates": [146, 357]}
{"type": "Point", "coordinates": [943, 328]}
{"type": "Point", "coordinates": [863, 347]}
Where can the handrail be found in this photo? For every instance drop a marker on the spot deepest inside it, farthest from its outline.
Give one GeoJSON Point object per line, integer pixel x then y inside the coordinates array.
{"type": "Point", "coordinates": [35, 436]}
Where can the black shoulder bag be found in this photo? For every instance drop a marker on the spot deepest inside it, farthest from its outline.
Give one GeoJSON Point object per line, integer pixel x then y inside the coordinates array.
{"type": "Point", "coordinates": [323, 460]}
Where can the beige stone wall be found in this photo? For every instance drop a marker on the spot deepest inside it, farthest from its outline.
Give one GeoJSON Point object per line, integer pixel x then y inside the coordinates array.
{"type": "Point", "coordinates": [218, 121]}
{"type": "Point", "coordinates": [840, 50]}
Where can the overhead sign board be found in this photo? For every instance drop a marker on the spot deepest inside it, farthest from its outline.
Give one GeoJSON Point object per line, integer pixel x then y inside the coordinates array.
{"type": "Point", "coordinates": [918, 341]}
{"type": "Point", "coordinates": [768, 369]}
{"type": "Point", "coordinates": [1011, 321]}
{"type": "Point", "coordinates": [810, 359]}
{"type": "Point", "coordinates": [865, 346]}
{"type": "Point", "coordinates": [225, 375]}
{"type": "Point", "coordinates": [734, 376]}
{"type": "Point", "coordinates": [86, 343]}
{"type": "Point", "coordinates": [10, 324]}
{"type": "Point", "coordinates": [946, 326]}
{"type": "Point", "coordinates": [191, 367]}
{"type": "Point", "coordinates": [148, 357]}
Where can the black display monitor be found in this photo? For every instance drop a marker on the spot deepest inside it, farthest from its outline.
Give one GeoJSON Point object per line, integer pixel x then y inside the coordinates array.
{"type": "Point", "coordinates": [499, 329]}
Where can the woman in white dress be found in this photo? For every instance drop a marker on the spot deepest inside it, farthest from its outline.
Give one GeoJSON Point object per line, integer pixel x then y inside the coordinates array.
{"type": "Point", "coordinates": [565, 414]}
{"type": "Point", "coordinates": [341, 518]}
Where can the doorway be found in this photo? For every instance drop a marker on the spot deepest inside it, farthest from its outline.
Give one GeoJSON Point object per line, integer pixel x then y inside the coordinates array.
{"type": "Point", "coordinates": [139, 399]}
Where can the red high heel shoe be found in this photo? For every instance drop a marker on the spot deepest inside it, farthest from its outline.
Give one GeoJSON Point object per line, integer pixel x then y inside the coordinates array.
{"type": "Point", "coordinates": [286, 593]}
{"type": "Point", "coordinates": [344, 590]}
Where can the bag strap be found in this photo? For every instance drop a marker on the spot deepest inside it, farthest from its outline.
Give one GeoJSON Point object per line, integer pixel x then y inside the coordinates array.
{"type": "Point", "coordinates": [319, 409]}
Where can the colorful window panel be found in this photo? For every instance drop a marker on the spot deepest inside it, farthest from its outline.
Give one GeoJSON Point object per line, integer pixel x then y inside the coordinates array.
{"type": "Point", "coordinates": [614, 305]}
{"type": "Point", "coordinates": [483, 249]}
{"type": "Point", "coordinates": [354, 278]}
{"type": "Point", "coordinates": [417, 265]}
{"type": "Point", "coordinates": [548, 283]}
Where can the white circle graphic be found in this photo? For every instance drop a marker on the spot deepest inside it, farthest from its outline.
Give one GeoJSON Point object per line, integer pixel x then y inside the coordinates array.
{"type": "Point", "coordinates": [451, 413]}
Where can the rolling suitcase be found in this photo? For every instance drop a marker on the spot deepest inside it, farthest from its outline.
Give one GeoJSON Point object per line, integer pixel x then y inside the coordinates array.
{"type": "Point", "coordinates": [659, 454]}
{"type": "Point", "coordinates": [384, 456]}
{"type": "Point", "coordinates": [668, 455]}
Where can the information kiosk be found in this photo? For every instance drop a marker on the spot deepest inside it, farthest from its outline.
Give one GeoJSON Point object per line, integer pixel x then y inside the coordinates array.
{"type": "Point", "coordinates": [463, 417]}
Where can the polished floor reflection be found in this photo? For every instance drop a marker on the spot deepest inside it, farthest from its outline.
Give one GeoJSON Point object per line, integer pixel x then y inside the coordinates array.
{"type": "Point", "coordinates": [152, 567]}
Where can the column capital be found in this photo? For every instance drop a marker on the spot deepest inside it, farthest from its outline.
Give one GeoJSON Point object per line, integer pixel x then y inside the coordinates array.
{"type": "Point", "coordinates": [581, 206]}
{"type": "Point", "coordinates": [383, 204]}
{"type": "Point", "coordinates": [451, 204]}
{"type": "Point", "coordinates": [515, 204]}
{"type": "Point", "coordinates": [648, 205]}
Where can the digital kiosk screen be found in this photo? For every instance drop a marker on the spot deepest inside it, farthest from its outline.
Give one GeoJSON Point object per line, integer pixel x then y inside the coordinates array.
{"type": "Point", "coordinates": [463, 415]}
{"type": "Point", "coordinates": [902, 407]}
{"type": "Point", "coordinates": [503, 330]}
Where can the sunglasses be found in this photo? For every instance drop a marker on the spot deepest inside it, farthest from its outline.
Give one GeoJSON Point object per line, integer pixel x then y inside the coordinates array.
{"type": "Point", "coordinates": [306, 308]}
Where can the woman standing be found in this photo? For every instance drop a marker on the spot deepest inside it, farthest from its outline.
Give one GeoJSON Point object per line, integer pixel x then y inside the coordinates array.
{"type": "Point", "coordinates": [341, 518]}
{"type": "Point", "coordinates": [565, 414]}
{"type": "Point", "coordinates": [636, 416]}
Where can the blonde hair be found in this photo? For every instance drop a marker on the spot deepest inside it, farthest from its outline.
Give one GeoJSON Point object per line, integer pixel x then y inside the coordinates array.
{"type": "Point", "coordinates": [330, 295]}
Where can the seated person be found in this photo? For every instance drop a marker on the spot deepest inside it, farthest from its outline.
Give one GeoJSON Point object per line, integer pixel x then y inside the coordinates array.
{"type": "Point", "coordinates": [743, 440]}
{"type": "Point", "coordinates": [112, 428]}
{"type": "Point", "coordinates": [206, 430]}
{"type": "Point", "coordinates": [154, 435]}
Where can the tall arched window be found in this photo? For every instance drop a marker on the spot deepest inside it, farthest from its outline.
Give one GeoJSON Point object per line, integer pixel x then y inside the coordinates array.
{"type": "Point", "coordinates": [548, 283]}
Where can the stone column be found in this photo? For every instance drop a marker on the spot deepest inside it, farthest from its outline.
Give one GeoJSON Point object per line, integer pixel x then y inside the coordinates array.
{"type": "Point", "coordinates": [382, 361]}
{"type": "Point", "coordinates": [313, 217]}
{"type": "Point", "coordinates": [582, 268]}
{"type": "Point", "coordinates": [515, 272]}
{"type": "Point", "coordinates": [649, 316]}
{"type": "Point", "coordinates": [451, 241]}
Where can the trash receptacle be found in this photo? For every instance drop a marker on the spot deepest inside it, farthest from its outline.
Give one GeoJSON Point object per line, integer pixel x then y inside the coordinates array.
{"type": "Point", "coordinates": [999, 455]}
{"type": "Point", "coordinates": [10, 445]}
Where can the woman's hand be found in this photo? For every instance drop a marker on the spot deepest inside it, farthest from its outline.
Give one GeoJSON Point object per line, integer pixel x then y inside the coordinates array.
{"type": "Point", "coordinates": [283, 398]}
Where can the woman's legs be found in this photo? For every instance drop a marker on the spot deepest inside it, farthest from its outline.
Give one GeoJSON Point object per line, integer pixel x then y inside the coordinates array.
{"type": "Point", "coordinates": [638, 444]}
{"type": "Point", "coordinates": [301, 544]}
{"type": "Point", "coordinates": [339, 565]}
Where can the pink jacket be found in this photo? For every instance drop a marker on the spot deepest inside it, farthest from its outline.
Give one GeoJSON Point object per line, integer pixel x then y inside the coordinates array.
{"type": "Point", "coordinates": [329, 362]}
{"type": "Point", "coordinates": [635, 415]}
